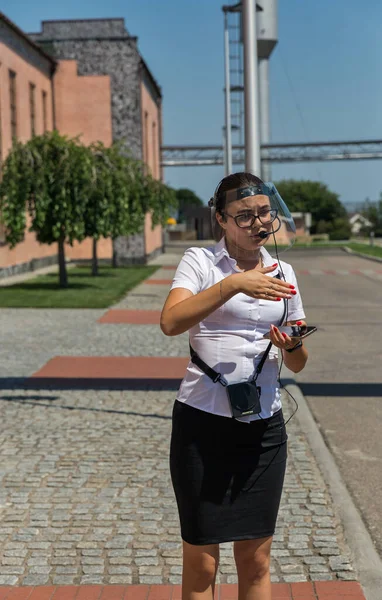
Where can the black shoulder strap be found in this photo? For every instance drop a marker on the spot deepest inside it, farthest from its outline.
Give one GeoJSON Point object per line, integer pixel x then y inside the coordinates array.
{"type": "Point", "coordinates": [265, 355]}
{"type": "Point", "coordinates": [214, 375]}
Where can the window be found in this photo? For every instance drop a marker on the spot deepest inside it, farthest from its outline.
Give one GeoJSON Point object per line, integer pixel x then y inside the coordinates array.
{"type": "Point", "coordinates": [146, 140]}
{"type": "Point", "coordinates": [12, 96]}
{"type": "Point", "coordinates": [44, 111]}
{"type": "Point", "coordinates": [155, 150]}
{"type": "Point", "coordinates": [32, 107]}
{"type": "Point", "coordinates": [1, 138]}
{"type": "Point", "coordinates": [2, 234]}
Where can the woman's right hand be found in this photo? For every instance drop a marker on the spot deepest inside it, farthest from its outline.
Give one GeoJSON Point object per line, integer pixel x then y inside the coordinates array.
{"type": "Point", "coordinates": [257, 284]}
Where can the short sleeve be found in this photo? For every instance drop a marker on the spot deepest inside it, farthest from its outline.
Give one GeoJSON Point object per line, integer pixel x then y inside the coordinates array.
{"type": "Point", "coordinates": [190, 272]}
{"type": "Point", "coordinates": [295, 306]}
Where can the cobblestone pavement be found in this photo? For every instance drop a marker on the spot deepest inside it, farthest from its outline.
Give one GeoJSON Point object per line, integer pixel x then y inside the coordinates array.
{"type": "Point", "coordinates": [148, 297]}
{"type": "Point", "coordinates": [85, 493]}
{"type": "Point", "coordinates": [30, 337]}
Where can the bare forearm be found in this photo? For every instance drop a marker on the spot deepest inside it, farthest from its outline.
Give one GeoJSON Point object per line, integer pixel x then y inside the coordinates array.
{"type": "Point", "coordinates": [190, 312]}
{"type": "Point", "coordinates": [295, 361]}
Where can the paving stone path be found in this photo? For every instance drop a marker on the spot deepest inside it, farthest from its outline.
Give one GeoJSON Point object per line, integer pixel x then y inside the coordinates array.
{"type": "Point", "coordinates": [85, 494]}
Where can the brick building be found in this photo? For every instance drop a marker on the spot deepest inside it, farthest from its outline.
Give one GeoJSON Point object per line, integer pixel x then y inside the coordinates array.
{"type": "Point", "coordinates": [83, 78]}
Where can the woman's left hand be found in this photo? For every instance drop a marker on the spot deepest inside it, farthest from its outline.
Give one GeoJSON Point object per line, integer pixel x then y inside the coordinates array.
{"type": "Point", "coordinates": [282, 340]}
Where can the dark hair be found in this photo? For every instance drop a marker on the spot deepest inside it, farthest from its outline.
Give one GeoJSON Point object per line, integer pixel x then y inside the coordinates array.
{"type": "Point", "coordinates": [231, 182]}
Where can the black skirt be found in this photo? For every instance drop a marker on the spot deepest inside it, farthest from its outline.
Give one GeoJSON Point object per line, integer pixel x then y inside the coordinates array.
{"type": "Point", "coordinates": [227, 475]}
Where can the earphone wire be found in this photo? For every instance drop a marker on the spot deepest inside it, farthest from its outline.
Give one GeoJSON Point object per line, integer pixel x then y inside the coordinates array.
{"type": "Point", "coordinates": [286, 320]}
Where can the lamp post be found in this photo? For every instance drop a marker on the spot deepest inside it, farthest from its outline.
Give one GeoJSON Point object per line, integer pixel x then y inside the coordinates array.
{"type": "Point", "coordinates": [267, 36]}
{"type": "Point", "coordinates": [228, 140]}
{"type": "Point", "coordinates": [264, 115]}
{"type": "Point", "coordinates": [251, 88]}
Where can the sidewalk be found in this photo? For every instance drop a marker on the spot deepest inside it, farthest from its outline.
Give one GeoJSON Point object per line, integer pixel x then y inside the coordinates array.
{"type": "Point", "coordinates": [294, 591]}
{"type": "Point", "coordinates": [86, 505]}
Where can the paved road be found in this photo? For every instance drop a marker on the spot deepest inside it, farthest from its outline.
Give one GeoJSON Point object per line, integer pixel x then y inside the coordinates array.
{"type": "Point", "coordinates": [343, 379]}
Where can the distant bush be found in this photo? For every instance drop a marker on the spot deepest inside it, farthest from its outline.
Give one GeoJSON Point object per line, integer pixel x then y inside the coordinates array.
{"type": "Point", "coordinates": [341, 230]}
{"type": "Point", "coordinates": [324, 237]}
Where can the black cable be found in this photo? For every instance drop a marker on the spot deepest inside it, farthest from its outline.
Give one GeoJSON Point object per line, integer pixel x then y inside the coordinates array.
{"type": "Point", "coordinates": [279, 380]}
{"type": "Point", "coordinates": [282, 356]}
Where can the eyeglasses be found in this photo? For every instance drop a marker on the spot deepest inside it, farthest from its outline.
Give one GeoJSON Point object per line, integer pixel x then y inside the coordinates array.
{"type": "Point", "coordinates": [265, 216]}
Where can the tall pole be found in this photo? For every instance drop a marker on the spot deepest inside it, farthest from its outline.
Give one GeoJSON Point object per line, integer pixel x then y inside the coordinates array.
{"type": "Point", "coordinates": [228, 143]}
{"type": "Point", "coordinates": [224, 152]}
{"type": "Point", "coordinates": [266, 173]}
{"type": "Point", "coordinates": [251, 92]}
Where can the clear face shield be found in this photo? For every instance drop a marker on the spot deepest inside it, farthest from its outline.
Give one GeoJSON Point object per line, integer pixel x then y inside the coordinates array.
{"type": "Point", "coordinates": [252, 217]}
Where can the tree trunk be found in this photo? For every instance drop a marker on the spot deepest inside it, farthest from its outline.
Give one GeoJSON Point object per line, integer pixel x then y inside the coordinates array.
{"type": "Point", "coordinates": [94, 258]}
{"type": "Point", "coordinates": [62, 264]}
{"type": "Point", "coordinates": [114, 261]}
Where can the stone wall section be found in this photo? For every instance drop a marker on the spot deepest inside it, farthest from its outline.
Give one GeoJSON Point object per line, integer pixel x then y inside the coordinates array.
{"type": "Point", "coordinates": [81, 29]}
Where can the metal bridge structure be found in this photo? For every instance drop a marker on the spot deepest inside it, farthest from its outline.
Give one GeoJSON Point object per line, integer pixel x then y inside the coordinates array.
{"type": "Point", "coordinates": [210, 155]}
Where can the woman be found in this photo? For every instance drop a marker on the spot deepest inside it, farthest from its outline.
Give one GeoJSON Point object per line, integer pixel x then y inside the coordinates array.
{"type": "Point", "coordinates": [228, 472]}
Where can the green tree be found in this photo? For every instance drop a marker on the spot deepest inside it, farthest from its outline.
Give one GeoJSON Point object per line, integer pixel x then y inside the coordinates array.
{"type": "Point", "coordinates": [328, 214]}
{"type": "Point", "coordinates": [373, 212]}
{"type": "Point", "coordinates": [115, 205]}
{"type": "Point", "coordinates": [162, 201]}
{"type": "Point", "coordinates": [136, 193]}
{"type": "Point", "coordinates": [49, 177]}
{"type": "Point", "coordinates": [98, 204]}
{"type": "Point", "coordinates": [129, 202]}
{"type": "Point", "coordinates": [72, 191]}
{"type": "Point", "coordinates": [340, 230]}
{"type": "Point", "coordinates": [186, 197]}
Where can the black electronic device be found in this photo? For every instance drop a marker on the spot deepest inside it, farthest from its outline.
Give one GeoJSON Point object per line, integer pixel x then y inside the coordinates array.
{"type": "Point", "coordinates": [295, 331]}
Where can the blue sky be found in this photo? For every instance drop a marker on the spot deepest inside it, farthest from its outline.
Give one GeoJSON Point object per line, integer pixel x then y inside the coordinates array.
{"type": "Point", "coordinates": [328, 59]}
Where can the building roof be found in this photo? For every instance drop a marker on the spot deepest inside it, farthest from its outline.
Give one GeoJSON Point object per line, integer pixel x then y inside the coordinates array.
{"type": "Point", "coordinates": [27, 39]}
{"type": "Point", "coordinates": [120, 32]}
{"type": "Point", "coordinates": [151, 76]}
{"type": "Point", "coordinates": [359, 217]}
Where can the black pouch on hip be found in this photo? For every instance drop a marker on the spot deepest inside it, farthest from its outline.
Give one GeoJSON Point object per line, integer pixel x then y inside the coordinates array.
{"type": "Point", "coordinates": [244, 398]}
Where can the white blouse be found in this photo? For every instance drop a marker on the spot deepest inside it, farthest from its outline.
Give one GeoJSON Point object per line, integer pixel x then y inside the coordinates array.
{"type": "Point", "coordinates": [230, 340]}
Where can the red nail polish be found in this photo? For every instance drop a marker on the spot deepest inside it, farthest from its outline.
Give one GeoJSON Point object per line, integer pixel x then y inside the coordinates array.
{"type": "Point", "coordinates": [291, 286]}
{"type": "Point", "coordinates": [293, 292]}
{"type": "Point", "coordinates": [275, 265]}
{"type": "Point", "coordinates": [278, 299]}
{"type": "Point", "coordinates": [298, 322]}
{"type": "Point", "coordinates": [284, 334]}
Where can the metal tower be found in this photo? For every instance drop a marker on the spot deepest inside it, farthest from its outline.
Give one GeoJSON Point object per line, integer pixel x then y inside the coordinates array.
{"type": "Point", "coordinates": [237, 33]}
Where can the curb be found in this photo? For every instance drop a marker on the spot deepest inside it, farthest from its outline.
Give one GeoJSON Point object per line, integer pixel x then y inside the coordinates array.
{"type": "Point", "coordinates": [26, 275]}
{"type": "Point", "coordinates": [367, 562]}
{"type": "Point", "coordinates": [354, 253]}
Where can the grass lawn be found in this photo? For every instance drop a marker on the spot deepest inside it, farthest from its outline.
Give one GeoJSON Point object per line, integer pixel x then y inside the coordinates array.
{"type": "Point", "coordinates": [365, 249]}
{"type": "Point", "coordinates": [83, 291]}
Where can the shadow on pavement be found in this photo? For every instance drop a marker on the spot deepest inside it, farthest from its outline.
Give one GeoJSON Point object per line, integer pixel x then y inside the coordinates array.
{"type": "Point", "coordinates": [37, 401]}
{"type": "Point", "coordinates": [67, 383]}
